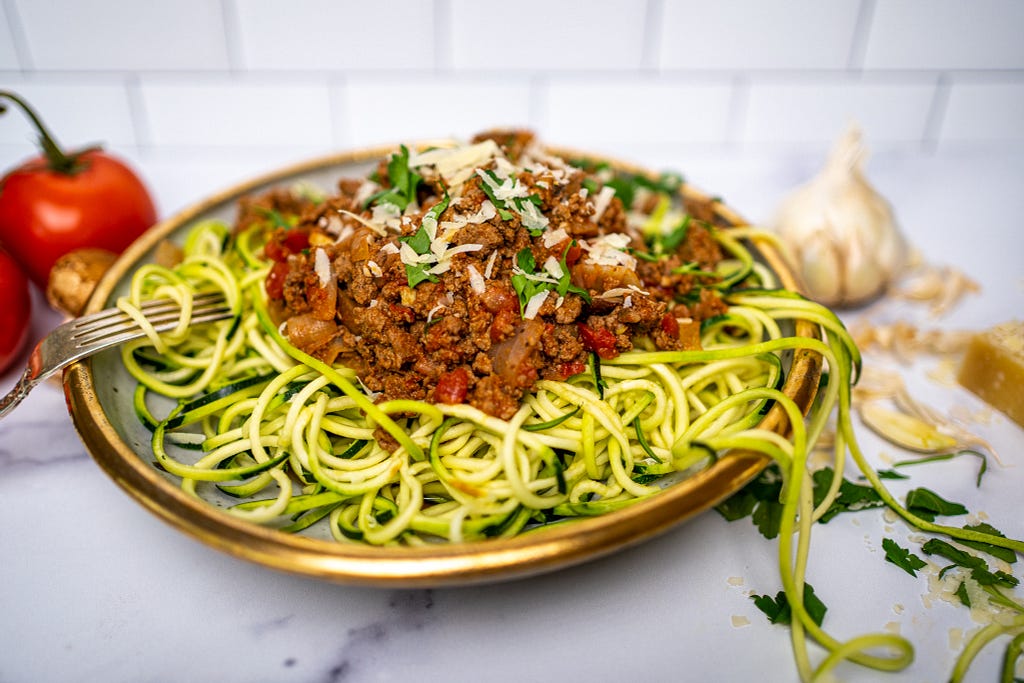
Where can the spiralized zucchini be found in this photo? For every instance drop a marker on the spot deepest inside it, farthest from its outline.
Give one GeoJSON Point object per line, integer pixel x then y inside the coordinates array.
{"type": "Point", "coordinates": [297, 442]}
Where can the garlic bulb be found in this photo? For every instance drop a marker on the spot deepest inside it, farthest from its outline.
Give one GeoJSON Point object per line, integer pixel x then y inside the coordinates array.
{"type": "Point", "coordinates": [842, 234]}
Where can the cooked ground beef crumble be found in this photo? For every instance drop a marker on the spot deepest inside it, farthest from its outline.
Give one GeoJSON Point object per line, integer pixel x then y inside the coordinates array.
{"type": "Point", "coordinates": [532, 266]}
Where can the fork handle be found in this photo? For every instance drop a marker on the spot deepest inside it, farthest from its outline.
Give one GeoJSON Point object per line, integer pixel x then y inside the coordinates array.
{"type": "Point", "coordinates": [28, 380]}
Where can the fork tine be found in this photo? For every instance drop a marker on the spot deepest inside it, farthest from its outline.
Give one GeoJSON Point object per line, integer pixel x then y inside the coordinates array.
{"type": "Point", "coordinates": [129, 329]}
{"type": "Point", "coordinates": [150, 309]}
{"type": "Point", "coordinates": [147, 308]}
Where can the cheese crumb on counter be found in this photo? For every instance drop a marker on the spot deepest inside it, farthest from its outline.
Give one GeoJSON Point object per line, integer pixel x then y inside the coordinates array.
{"type": "Point", "coordinates": [993, 368]}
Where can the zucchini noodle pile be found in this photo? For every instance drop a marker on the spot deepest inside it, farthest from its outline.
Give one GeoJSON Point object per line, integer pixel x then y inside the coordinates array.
{"type": "Point", "coordinates": [292, 442]}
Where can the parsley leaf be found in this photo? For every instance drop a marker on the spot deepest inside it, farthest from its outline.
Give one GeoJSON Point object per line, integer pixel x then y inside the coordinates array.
{"type": "Point", "coordinates": [1005, 554]}
{"type": "Point", "coordinates": [927, 504]}
{"type": "Point", "coordinates": [778, 609]}
{"type": "Point", "coordinates": [760, 500]}
{"type": "Point", "coordinates": [851, 497]}
{"type": "Point", "coordinates": [418, 273]}
{"type": "Point", "coordinates": [890, 474]}
{"type": "Point", "coordinates": [419, 241]}
{"type": "Point", "coordinates": [901, 557]}
{"type": "Point", "coordinates": [936, 546]}
{"type": "Point", "coordinates": [980, 571]}
{"type": "Point", "coordinates": [961, 592]}
{"type": "Point", "coordinates": [404, 182]}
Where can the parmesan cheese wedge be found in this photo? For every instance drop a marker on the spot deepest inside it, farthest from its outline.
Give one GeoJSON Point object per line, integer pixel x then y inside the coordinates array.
{"type": "Point", "coordinates": [993, 368]}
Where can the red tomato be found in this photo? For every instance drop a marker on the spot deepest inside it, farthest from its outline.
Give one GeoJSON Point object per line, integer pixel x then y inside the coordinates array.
{"type": "Point", "coordinates": [60, 202]}
{"type": "Point", "coordinates": [15, 309]}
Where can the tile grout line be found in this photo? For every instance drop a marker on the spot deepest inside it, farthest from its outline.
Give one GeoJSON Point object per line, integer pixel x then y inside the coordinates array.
{"type": "Point", "coordinates": [739, 109]}
{"type": "Point", "coordinates": [232, 36]}
{"type": "Point", "coordinates": [650, 55]}
{"type": "Point", "coordinates": [443, 58]}
{"type": "Point", "coordinates": [936, 115]}
{"type": "Point", "coordinates": [137, 111]}
{"type": "Point", "coordinates": [18, 38]}
{"type": "Point", "coordinates": [861, 36]}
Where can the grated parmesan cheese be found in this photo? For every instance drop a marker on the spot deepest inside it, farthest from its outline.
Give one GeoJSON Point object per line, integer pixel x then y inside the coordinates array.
{"type": "Point", "coordinates": [553, 267]}
{"type": "Point", "coordinates": [609, 250]}
{"type": "Point", "coordinates": [476, 281]}
{"type": "Point", "coordinates": [601, 202]}
{"type": "Point", "coordinates": [322, 266]}
{"type": "Point", "coordinates": [534, 304]}
{"type": "Point", "coordinates": [489, 268]}
{"type": "Point", "coordinates": [554, 237]}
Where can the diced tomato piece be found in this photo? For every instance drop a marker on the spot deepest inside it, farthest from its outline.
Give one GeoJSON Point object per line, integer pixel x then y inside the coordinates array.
{"type": "Point", "coordinates": [275, 251]}
{"type": "Point", "coordinates": [669, 325]}
{"type": "Point", "coordinates": [572, 256]}
{"type": "Point", "coordinates": [452, 387]}
{"type": "Point", "coordinates": [504, 323]}
{"type": "Point", "coordinates": [601, 341]}
{"type": "Point", "coordinates": [284, 243]}
{"type": "Point", "coordinates": [296, 240]}
{"type": "Point", "coordinates": [567, 370]}
{"type": "Point", "coordinates": [275, 280]}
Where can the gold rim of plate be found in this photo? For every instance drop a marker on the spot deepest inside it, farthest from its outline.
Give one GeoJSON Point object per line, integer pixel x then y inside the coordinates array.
{"type": "Point", "coordinates": [441, 564]}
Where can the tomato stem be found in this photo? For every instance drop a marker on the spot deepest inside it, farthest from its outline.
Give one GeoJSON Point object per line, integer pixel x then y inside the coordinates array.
{"type": "Point", "coordinates": [56, 158]}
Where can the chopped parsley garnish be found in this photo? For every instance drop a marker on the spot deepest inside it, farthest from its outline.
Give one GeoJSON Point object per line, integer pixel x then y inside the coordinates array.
{"type": "Point", "coordinates": [404, 182]}
{"type": "Point", "coordinates": [979, 569]}
{"type": "Point", "coordinates": [419, 242]}
{"type": "Point", "coordinates": [517, 203]}
{"type": "Point", "coordinates": [778, 610]}
{"type": "Point", "coordinates": [928, 504]}
{"type": "Point", "coordinates": [277, 219]}
{"type": "Point", "coordinates": [901, 557]}
{"type": "Point", "coordinates": [851, 497]}
{"type": "Point", "coordinates": [526, 287]}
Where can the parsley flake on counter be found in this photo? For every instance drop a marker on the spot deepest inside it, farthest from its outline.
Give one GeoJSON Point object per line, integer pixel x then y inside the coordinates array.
{"type": "Point", "coordinates": [901, 557]}
{"type": "Point", "coordinates": [778, 610]}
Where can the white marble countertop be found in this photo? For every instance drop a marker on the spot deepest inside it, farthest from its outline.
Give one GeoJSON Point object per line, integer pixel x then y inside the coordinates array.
{"type": "Point", "coordinates": [93, 587]}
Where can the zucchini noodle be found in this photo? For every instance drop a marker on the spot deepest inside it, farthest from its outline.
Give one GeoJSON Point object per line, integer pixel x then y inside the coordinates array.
{"type": "Point", "coordinates": [242, 417]}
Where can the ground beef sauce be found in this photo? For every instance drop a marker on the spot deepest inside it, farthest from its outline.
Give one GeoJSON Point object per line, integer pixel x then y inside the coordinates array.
{"type": "Point", "coordinates": [462, 333]}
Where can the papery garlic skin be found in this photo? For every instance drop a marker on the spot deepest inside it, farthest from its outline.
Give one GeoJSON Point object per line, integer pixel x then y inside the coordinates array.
{"type": "Point", "coordinates": [843, 235]}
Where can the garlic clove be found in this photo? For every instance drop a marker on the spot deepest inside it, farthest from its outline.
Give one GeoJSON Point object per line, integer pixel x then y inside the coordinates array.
{"type": "Point", "coordinates": [905, 430]}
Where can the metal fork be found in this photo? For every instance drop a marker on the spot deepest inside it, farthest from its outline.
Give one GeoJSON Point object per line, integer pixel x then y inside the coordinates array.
{"type": "Point", "coordinates": [93, 333]}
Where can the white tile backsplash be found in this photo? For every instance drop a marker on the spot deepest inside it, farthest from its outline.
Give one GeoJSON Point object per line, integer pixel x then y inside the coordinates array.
{"type": "Point", "coordinates": [652, 79]}
{"type": "Point", "coordinates": [124, 35]}
{"type": "Point", "coordinates": [317, 35]}
{"type": "Point", "coordinates": [739, 34]}
{"type": "Point", "coordinates": [77, 113]}
{"type": "Point", "coordinates": [222, 113]}
{"type": "Point", "coordinates": [547, 36]}
{"type": "Point", "coordinates": [984, 112]}
{"type": "Point", "coordinates": [818, 111]}
{"type": "Point", "coordinates": [946, 34]}
{"type": "Point", "coordinates": [599, 113]}
{"type": "Point", "coordinates": [8, 55]}
{"type": "Point", "coordinates": [388, 110]}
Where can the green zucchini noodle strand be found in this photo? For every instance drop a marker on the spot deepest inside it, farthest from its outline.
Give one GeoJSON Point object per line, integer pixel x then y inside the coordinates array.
{"type": "Point", "coordinates": [242, 418]}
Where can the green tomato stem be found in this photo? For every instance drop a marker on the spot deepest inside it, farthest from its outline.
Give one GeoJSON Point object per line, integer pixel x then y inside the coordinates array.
{"type": "Point", "coordinates": [57, 159]}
